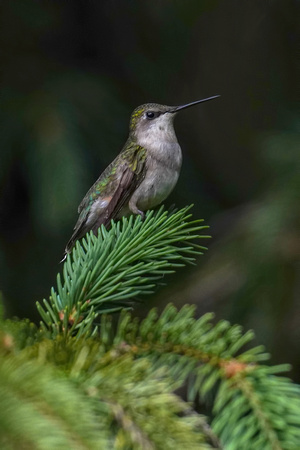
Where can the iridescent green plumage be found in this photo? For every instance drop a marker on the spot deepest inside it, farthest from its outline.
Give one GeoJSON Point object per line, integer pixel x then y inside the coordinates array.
{"type": "Point", "coordinates": [113, 188]}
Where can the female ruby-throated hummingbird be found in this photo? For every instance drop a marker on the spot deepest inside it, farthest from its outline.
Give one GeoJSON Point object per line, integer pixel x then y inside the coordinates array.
{"type": "Point", "coordinates": [141, 176]}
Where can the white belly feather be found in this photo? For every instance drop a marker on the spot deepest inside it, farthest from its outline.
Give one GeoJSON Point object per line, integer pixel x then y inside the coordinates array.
{"type": "Point", "coordinates": [163, 170]}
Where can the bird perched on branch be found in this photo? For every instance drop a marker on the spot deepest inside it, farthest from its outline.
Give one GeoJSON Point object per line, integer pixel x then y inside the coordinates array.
{"type": "Point", "coordinates": [141, 176]}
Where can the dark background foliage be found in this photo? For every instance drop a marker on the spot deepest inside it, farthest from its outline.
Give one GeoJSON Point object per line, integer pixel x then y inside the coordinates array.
{"type": "Point", "coordinates": [73, 71]}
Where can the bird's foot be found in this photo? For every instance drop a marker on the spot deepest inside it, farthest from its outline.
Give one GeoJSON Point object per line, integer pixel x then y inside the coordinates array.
{"type": "Point", "coordinates": [133, 208]}
{"type": "Point", "coordinates": [142, 214]}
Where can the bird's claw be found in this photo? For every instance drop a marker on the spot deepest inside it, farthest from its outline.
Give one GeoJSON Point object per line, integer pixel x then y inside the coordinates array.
{"type": "Point", "coordinates": [142, 214]}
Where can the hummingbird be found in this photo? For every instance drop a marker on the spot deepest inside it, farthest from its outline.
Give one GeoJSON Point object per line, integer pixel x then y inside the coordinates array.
{"type": "Point", "coordinates": [141, 176]}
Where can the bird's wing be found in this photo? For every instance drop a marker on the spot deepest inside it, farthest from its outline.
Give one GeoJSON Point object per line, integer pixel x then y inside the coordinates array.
{"type": "Point", "coordinates": [110, 192]}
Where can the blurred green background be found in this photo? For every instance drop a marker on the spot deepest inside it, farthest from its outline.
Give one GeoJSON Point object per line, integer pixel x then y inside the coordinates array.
{"type": "Point", "coordinates": [72, 72]}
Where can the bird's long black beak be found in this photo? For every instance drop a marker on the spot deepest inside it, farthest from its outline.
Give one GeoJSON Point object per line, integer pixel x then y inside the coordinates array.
{"type": "Point", "coordinates": [174, 109]}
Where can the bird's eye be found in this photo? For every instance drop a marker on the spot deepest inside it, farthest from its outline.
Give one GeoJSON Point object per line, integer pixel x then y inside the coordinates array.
{"type": "Point", "coordinates": [151, 115]}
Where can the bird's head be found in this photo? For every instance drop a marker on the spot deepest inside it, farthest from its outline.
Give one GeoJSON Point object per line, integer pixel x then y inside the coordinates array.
{"type": "Point", "coordinates": [157, 120]}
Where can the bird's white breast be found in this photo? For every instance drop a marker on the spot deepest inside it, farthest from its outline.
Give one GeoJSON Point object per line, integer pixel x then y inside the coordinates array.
{"type": "Point", "coordinates": [163, 164]}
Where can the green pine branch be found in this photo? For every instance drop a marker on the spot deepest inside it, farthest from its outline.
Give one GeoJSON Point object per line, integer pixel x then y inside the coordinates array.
{"type": "Point", "coordinates": [41, 409]}
{"type": "Point", "coordinates": [129, 377]}
{"type": "Point", "coordinates": [101, 386]}
{"type": "Point", "coordinates": [249, 403]}
{"type": "Point", "coordinates": [107, 272]}
{"type": "Point", "coordinates": [120, 401]}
